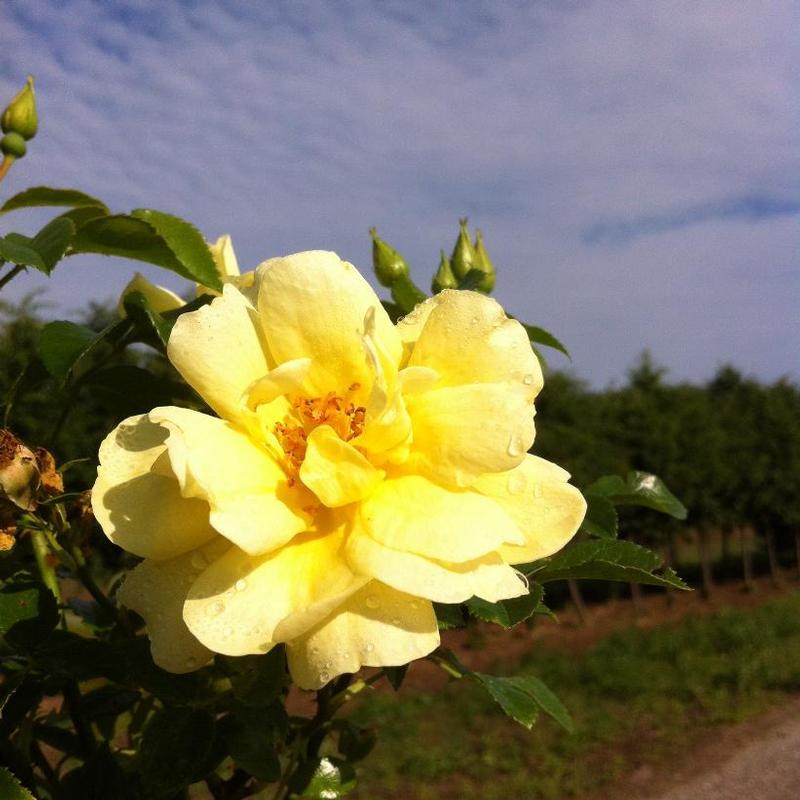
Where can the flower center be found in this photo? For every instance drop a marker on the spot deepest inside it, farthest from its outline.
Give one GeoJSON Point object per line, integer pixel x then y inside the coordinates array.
{"type": "Point", "coordinates": [337, 411]}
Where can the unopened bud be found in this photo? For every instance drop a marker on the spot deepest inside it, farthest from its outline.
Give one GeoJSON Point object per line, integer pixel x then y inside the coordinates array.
{"type": "Point", "coordinates": [444, 278]}
{"type": "Point", "coordinates": [20, 114]}
{"type": "Point", "coordinates": [388, 264]}
{"type": "Point", "coordinates": [19, 472]}
{"type": "Point", "coordinates": [13, 145]}
{"type": "Point", "coordinates": [484, 264]}
{"type": "Point", "coordinates": [463, 258]}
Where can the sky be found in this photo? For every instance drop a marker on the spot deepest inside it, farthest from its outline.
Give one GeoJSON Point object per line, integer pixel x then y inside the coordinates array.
{"type": "Point", "coordinates": [634, 166]}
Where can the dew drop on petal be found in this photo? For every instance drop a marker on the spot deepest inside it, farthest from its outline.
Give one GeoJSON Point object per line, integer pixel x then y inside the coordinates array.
{"type": "Point", "coordinates": [324, 677]}
{"type": "Point", "coordinates": [537, 490]}
{"type": "Point", "coordinates": [528, 379]}
{"type": "Point", "coordinates": [191, 661]}
{"type": "Point", "coordinates": [227, 632]}
{"type": "Point", "coordinates": [215, 609]}
{"type": "Point", "coordinates": [395, 620]}
{"type": "Point", "coordinates": [240, 585]}
{"type": "Point", "coordinates": [514, 448]}
{"type": "Point", "coordinates": [264, 647]}
{"type": "Point", "coordinates": [473, 321]}
{"type": "Point", "coordinates": [372, 601]}
{"type": "Point", "coordinates": [198, 561]}
{"type": "Point", "coordinates": [369, 647]}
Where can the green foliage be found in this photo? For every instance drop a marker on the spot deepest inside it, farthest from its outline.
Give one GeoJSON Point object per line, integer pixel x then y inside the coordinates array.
{"type": "Point", "coordinates": [48, 196]}
{"type": "Point", "coordinates": [28, 610]}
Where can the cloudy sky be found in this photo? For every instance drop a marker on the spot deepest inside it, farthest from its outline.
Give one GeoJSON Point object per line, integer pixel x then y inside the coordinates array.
{"type": "Point", "coordinates": [634, 166]}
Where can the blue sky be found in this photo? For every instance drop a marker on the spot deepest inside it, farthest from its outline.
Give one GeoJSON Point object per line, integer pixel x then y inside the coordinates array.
{"type": "Point", "coordinates": [634, 165]}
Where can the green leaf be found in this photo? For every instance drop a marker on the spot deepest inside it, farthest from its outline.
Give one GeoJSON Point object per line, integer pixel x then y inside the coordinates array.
{"type": "Point", "coordinates": [61, 344]}
{"type": "Point", "coordinates": [396, 675]}
{"type": "Point", "coordinates": [108, 701]}
{"type": "Point", "coordinates": [28, 610]}
{"type": "Point", "coordinates": [251, 744]}
{"type": "Point", "coordinates": [127, 237]}
{"type": "Point", "coordinates": [174, 748]}
{"type": "Point", "coordinates": [257, 680]}
{"type": "Point", "coordinates": [512, 696]}
{"type": "Point", "coordinates": [601, 517]}
{"type": "Point", "coordinates": [607, 560]}
{"type": "Point", "coordinates": [548, 702]}
{"type": "Point", "coordinates": [52, 240]}
{"type": "Point", "coordinates": [330, 780]}
{"type": "Point", "coordinates": [508, 613]}
{"type": "Point", "coordinates": [100, 778]}
{"type": "Point", "coordinates": [83, 214]}
{"type": "Point", "coordinates": [406, 293]}
{"type": "Point", "coordinates": [47, 196]}
{"type": "Point", "coordinates": [11, 788]}
{"type": "Point", "coordinates": [17, 250]}
{"type": "Point", "coordinates": [448, 616]}
{"type": "Point", "coordinates": [128, 390]}
{"type": "Point", "coordinates": [541, 336]}
{"type": "Point", "coordinates": [151, 323]}
{"type": "Point", "coordinates": [355, 742]}
{"type": "Point", "coordinates": [66, 654]}
{"type": "Point", "coordinates": [186, 242]}
{"type": "Point", "coordinates": [639, 489]}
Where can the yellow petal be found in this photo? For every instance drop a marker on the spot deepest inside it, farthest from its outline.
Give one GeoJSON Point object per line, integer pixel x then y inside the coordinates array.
{"type": "Point", "coordinates": [313, 305]}
{"type": "Point", "coordinates": [467, 338]}
{"type": "Point", "coordinates": [236, 604]}
{"type": "Point", "coordinates": [219, 350]}
{"type": "Point", "coordinates": [288, 378]}
{"type": "Point", "coordinates": [137, 499]}
{"type": "Point", "coordinates": [413, 514]}
{"type": "Point", "coordinates": [487, 577]}
{"type": "Point", "coordinates": [156, 590]}
{"type": "Point", "coordinates": [462, 432]}
{"type": "Point", "coordinates": [224, 256]}
{"type": "Point", "coordinates": [335, 471]}
{"type": "Point", "coordinates": [250, 498]}
{"type": "Point", "coordinates": [546, 508]}
{"type": "Point", "coordinates": [376, 627]}
{"type": "Point", "coordinates": [160, 299]}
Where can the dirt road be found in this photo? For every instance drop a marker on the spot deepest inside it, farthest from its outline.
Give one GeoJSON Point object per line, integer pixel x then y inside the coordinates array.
{"type": "Point", "coordinates": [759, 759]}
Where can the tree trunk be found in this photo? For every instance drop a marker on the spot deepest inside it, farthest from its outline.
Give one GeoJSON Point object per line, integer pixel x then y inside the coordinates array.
{"type": "Point", "coordinates": [797, 550]}
{"type": "Point", "coordinates": [772, 555]}
{"type": "Point", "coordinates": [577, 599]}
{"type": "Point", "coordinates": [747, 559]}
{"type": "Point", "coordinates": [725, 545]}
{"type": "Point", "coordinates": [705, 563]}
{"type": "Point", "coordinates": [669, 562]}
{"type": "Point", "coordinates": [636, 598]}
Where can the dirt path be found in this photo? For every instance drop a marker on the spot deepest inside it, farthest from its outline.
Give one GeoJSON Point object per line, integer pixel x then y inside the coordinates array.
{"type": "Point", "coordinates": [759, 759]}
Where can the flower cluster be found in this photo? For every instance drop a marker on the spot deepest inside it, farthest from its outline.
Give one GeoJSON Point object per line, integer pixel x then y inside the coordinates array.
{"type": "Point", "coordinates": [355, 471]}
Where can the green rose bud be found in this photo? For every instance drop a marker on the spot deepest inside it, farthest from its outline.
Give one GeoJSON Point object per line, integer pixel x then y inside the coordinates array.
{"type": "Point", "coordinates": [484, 264]}
{"type": "Point", "coordinates": [444, 278]}
{"type": "Point", "coordinates": [13, 145]}
{"type": "Point", "coordinates": [388, 264]}
{"type": "Point", "coordinates": [20, 114]}
{"type": "Point", "coordinates": [463, 258]}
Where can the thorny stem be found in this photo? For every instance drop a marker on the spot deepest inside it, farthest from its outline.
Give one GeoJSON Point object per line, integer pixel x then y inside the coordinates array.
{"type": "Point", "coordinates": [9, 276]}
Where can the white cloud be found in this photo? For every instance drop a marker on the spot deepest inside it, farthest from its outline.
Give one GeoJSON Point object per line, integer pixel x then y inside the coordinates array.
{"type": "Point", "coordinates": [299, 125]}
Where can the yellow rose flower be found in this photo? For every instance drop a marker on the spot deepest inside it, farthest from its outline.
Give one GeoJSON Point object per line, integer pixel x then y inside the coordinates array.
{"type": "Point", "coordinates": [356, 472]}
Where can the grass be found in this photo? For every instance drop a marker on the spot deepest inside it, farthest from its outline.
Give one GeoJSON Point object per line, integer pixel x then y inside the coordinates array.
{"type": "Point", "coordinates": [637, 695]}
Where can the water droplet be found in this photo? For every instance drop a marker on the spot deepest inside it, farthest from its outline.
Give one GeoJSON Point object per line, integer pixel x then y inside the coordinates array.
{"type": "Point", "coordinates": [240, 585]}
{"type": "Point", "coordinates": [395, 620]}
{"type": "Point", "coordinates": [264, 647]}
{"type": "Point", "coordinates": [198, 561]}
{"type": "Point", "coordinates": [215, 609]}
{"type": "Point", "coordinates": [372, 601]}
{"type": "Point", "coordinates": [346, 655]}
{"type": "Point", "coordinates": [369, 647]}
{"type": "Point", "coordinates": [537, 489]}
{"type": "Point", "coordinates": [516, 483]}
{"type": "Point", "coordinates": [400, 319]}
{"type": "Point", "coordinates": [191, 661]}
{"type": "Point", "coordinates": [515, 447]}
{"type": "Point", "coordinates": [324, 677]}
{"type": "Point", "coordinates": [473, 321]}
{"type": "Point", "coordinates": [227, 632]}
{"type": "Point", "coordinates": [528, 379]}
{"type": "Point", "coordinates": [414, 604]}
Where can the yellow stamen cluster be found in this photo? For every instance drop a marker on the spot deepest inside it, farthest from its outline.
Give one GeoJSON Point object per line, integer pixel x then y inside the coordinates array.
{"type": "Point", "coordinates": [340, 413]}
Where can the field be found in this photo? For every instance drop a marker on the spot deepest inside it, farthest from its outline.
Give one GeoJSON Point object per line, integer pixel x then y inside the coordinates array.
{"type": "Point", "coordinates": [641, 696]}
